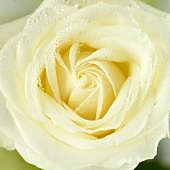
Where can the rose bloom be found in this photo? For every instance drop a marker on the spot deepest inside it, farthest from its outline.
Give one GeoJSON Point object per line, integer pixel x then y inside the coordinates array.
{"type": "Point", "coordinates": [85, 84]}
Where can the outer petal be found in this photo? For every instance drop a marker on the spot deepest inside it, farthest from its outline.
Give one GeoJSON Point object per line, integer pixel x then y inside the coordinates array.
{"type": "Point", "coordinates": [41, 162]}
{"type": "Point", "coordinates": [83, 3]}
{"type": "Point", "coordinates": [8, 131]}
{"type": "Point", "coordinates": [126, 166]}
{"type": "Point", "coordinates": [10, 29]}
{"type": "Point", "coordinates": [52, 149]}
{"type": "Point", "coordinates": [10, 84]}
{"type": "Point", "coordinates": [5, 141]}
{"type": "Point", "coordinates": [143, 148]}
{"type": "Point", "coordinates": [158, 33]}
{"type": "Point", "coordinates": [36, 159]}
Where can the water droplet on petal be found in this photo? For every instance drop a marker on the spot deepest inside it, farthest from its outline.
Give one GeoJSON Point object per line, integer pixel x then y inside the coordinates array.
{"type": "Point", "coordinates": [77, 6]}
{"type": "Point", "coordinates": [46, 15]}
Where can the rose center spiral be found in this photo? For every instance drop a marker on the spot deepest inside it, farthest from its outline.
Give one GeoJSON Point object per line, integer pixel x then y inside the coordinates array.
{"type": "Point", "coordinates": [83, 80]}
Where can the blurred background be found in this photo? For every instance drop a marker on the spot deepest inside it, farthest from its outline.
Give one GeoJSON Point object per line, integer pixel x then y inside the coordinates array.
{"type": "Point", "coordinates": [13, 9]}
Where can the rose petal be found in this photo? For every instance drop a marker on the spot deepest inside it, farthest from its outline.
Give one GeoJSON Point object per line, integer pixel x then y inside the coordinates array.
{"type": "Point", "coordinates": [7, 32]}
{"type": "Point", "coordinates": [5, 141]}
{"type": "Point", "coordinates": [9, 78]}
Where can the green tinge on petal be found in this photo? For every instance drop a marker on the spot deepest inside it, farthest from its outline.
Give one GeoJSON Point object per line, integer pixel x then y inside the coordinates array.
{"type": "Point", "coordinates": [13, 161]}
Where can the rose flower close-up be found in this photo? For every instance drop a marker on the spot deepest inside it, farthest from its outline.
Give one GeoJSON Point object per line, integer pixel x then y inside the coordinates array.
{"type": "Point", "coordinates": [85, 85]}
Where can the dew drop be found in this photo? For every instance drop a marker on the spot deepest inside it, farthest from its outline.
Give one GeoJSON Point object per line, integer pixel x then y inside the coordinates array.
{"type": "Point", "coordinates": [33, 21]}
{"type": "Point", "coordinates": [46, 15]}
{"type": "Point", "coordinates": [62, 9]}
{"type": "Point", "coordinates": [77, 6]}
{"type": "Point", "coordinates": [26, 41]}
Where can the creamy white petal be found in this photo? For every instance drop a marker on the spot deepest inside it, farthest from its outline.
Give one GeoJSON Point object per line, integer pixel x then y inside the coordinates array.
{"type": "Point", "coordinates": [9, 78]}
{"type": "Point", "coordinates": [37, 159]}
{"type": "Point", "coordinates": [158, 33]}
{"type": "Point", "coordinates": [36, 30]}
{"type": "Point", "coordinates": [41, 162]}
{"type": "Point", "coordinates": [10, 29]}
{"type": "Point", "coordinates": [120, 16]}
{"type": "Point", "coordinates": [139, 150]}
{"type": "Point", "coordinates": [52, 149]}
{"type": "Point", "coordinates": [5, 141]}
{"type": "Point", "coordinates": [9, 134]}
{"type": "Point", "coordinates": [83, 3]}
{"type": "Point", "coordinates": [114, 139]}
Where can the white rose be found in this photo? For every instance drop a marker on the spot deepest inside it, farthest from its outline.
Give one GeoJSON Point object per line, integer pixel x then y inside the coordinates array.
{"type": "Point", "coordinates": [85, 85]}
